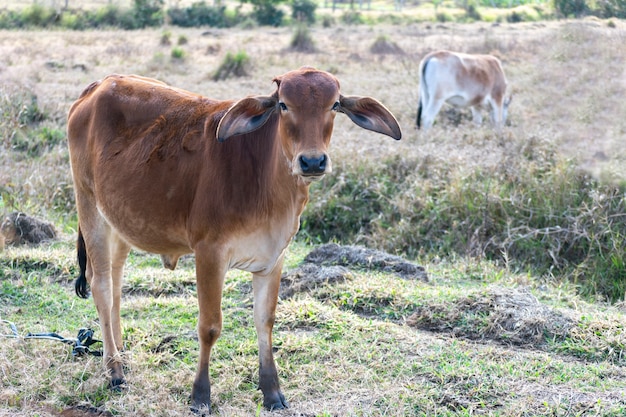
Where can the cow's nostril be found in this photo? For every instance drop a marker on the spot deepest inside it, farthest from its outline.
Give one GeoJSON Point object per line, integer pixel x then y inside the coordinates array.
{"type": "Point", "coordinates": [313, 165]}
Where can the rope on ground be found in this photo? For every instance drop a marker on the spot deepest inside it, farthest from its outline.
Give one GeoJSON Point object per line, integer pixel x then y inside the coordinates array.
{"type": "Point", "coordinates": [80, 344]}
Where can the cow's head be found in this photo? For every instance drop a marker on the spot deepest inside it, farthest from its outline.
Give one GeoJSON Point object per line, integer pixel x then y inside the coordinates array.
{"type": "Point", "coordinates": [306, 101]}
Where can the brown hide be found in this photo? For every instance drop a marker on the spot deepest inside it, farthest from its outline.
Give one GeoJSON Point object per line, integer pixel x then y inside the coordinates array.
{"type": "Point", "coordinates": [150, 172]}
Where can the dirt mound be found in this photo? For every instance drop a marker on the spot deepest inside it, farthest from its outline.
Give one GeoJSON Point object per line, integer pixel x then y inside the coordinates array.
{"type": "Point", "coordinates": [358, 256]}
{"type": "Point", "coordinates": [507, 315]}
{"type": "Point", "coordinates": [332, 263]}
{"type": "Point", "coordinates": [309, 276]}
{"type": "Point", "coordinates": [383, 46]}
{"type": "Point", "coordinates": [20, 229]}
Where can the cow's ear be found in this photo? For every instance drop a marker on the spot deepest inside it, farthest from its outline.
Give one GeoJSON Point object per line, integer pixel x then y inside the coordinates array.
{"type": "Point", "coordinates": [245, 116]}
{"type": "Point", "coordinates": [370, 114]}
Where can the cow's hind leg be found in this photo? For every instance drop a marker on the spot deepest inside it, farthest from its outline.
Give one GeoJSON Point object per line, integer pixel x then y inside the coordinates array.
{"type": "Point", "coordinates": [430, 111]}
{"type": "Point", "coordinates": [119, 253]}
{"type": "Point", "coordinates": [265, 297]}
{"type": "Point", "coordinates": [100, 245]}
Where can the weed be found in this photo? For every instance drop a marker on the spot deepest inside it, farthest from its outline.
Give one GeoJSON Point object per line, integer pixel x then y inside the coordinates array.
{"type": "Point", "coordinates": [233, 65]}
{"type": "Point", "coordinates": [303, 11]}
{"type": "Point", "coordinates": [166, 38]}
{"type": "Point", "coordinates": [302, 40]}
{"type": "Point", "coordinates": [178, 53]}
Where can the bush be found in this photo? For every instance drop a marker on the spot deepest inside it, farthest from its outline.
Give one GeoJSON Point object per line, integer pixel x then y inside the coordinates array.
{"type": "Point", "coordinates": [268, 15]}
{"type": "Point", "coordinates": [145, 13]}
{"type": "Point", "coordinates": [74, 21]}
{"type": "Point", "coordinates": [108, 16]}
{"type": "Point", "coordinates": [199, 14]}
{"type": "Point", "coordinates": [38, 16]}
{"type": "Point", "coordinates": [303, 11]}
{"type": "Point", "coordinates": [302, 41]}
{"type": "Point", "coordinates": [545, 217]}
{"type": "Point", "coordinates": [178, 53]}
{"type": "Point", "coordinates": [352, 18]}
{"type": "Point", "coordinates": [569, 8]}
{"type": "Point", "coordinates": [612, 8]}
{"type": "Point", "coordinates": [233, 65]}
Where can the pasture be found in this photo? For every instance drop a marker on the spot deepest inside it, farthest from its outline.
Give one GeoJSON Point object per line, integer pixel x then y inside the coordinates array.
{"type": "Point", "coordinates": [481, 336]}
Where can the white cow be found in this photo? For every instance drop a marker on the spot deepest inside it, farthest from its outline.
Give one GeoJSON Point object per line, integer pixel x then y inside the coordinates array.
{"type": "Point", "coordinates": [461, 80]}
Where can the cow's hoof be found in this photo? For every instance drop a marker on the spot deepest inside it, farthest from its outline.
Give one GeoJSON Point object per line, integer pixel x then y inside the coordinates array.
{"type": "Point", "coordinates": [278, 403]}
{"type": "Point", "coordinates": [118, 384]}
{"type": "Point", "coordinates": [201, 411]}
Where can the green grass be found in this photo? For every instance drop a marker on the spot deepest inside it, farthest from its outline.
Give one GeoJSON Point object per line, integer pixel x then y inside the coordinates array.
{"type": "Point", "coordinates": [518, 232]}
{"type": "Point", "coordinates": [342, 349]}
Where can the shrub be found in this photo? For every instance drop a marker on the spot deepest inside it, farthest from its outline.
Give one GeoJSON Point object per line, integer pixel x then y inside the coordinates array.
{"type": "Point", "coordinates": [327, 21]}
{"type": "Point", "coordinates": [268, 15]}
{"type": "Point", "coordinates": [233, 65]}
{"type": "Point", "coordinates": [471, 13]}
{"type": "Point", "coordinates": [303, 11]}
{"type": "Point", "coordinates": [352, 18]}
{"type": "Point", "coordinates": [9, 19]}
{"type": "Point", "coordinates": [74, 20]}
{"type": "Point", "coordinates": [199, 14]}
{"type": "Point", "coordinates": [178, 53]}
{"type": "Point", "coordinates": [146, 13]}
{"type": "Point", "coordinates": [34, 143]}
{"type": "Point", "coordinates": [536, 214]}
{"type": "Point", "coordinates": [302, 40]}
{"type": "Point", "coordinates": [166, 38]}
{"type": "Point", "coordinates": [612, 8]}
{"type": "Point", "coordinates": [38, 15]}
{"type": "Point", "coordinates": [568, 8]}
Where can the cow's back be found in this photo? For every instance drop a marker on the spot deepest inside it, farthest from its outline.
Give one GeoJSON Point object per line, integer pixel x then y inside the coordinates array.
{"type": "Point", "coordinates": [139, 148]}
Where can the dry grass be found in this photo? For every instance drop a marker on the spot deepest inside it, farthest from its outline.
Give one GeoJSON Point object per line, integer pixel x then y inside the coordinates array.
{"type": "Point", "coordinates": [335, 359]}
{"type": "Point", "coordinates": [566, 78]}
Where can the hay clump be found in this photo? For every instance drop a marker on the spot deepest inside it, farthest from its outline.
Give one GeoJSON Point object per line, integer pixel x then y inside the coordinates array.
{"type": "Point", "coordinates": [358, 256]}
{"type": "Point", "coordinates": [21, 229]}
{"type": "Point", "coordinates": [309, 276]}
{"type": "Point", "coordinates": [510, 316]}
{"type": "Point", "coordinates": [332, 263]}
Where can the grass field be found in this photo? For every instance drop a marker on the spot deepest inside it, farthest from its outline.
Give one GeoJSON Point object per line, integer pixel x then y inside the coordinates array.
{"type": "Point", "coordinates": [478, 338]}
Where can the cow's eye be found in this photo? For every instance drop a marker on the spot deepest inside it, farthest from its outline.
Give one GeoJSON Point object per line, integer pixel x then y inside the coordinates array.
{"type": "Point", "coordinates": [336, 106]}
{"type": "Point", "coordinates": [282, 106]}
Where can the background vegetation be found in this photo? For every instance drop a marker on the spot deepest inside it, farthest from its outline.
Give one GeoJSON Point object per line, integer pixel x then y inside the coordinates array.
{"type": "Point", "coordinates": [137, 14]}
{"type": "Point", "coordinates": [528, 221]}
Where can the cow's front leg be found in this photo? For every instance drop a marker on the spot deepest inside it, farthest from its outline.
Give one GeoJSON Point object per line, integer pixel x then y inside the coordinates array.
{"type": "Point", "coordinates": [265, 297]}
{"type": "Point", "coordinates": [477, 116]}
{"type": "Point", "coordinates": [210, 272]}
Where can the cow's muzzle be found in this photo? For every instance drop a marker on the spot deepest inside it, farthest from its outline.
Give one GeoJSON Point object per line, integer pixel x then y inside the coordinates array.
{"type": "Point", "coordinates": [312, 167]}
{"type": "Point", "coordinates": [315, 165]}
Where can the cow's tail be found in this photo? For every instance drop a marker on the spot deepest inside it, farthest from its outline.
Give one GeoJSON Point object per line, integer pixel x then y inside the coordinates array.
{"type": "Point", "coordinates": [422, 95]}
{"type": "Point", "coordinates": [80, 285]}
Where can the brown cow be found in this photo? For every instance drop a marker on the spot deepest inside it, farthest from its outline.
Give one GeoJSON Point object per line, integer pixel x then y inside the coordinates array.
{"type": "Point", "coordinates": [461, 80]}
{"type": "Point", "coordinates": [172, 172]}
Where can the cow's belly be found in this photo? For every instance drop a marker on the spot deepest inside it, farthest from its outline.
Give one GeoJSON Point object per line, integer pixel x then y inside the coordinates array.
{"type": "Point", "coordinates": [259, 251]}
{"type": "Point", "coordinates": [148, 232]}
{"type": "Point", "coordinates": [458, 101]}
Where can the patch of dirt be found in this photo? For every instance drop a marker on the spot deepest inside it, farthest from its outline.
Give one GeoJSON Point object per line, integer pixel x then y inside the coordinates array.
{"type": "Point", "coordinates": [309, 276]}
{"type": "Point", "coordinates": [371, 259]}
{"type": "Point", "coordinates": [507, 315]}
{"type": "Point", "coordinates": [85, 411]}
{"type": "Point", "coordinates": [386, 47]}
{"type": "Point", "coordinates": [21, 229]}
{"type": "Point", "coordinates": [332, 263]}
